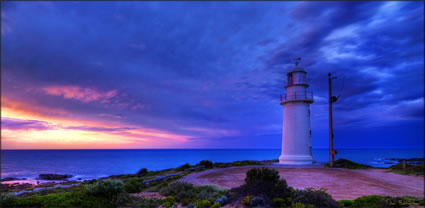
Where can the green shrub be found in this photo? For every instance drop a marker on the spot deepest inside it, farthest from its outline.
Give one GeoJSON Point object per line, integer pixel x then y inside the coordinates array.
{"type": "Point", "coordinates": [6, 199]}
{"type": "Point", "coordinates": [278, 202]}
{"type": "Point", "coordinates": [318, 198]}
{"type": "Point", "coordinates": [166, 204]}
{"type": "Point", "coordinates": [410, 169]}
{"type": "Point", "coordinates": [185, 202]}
{"type": "Point", "coordinates": [344, 163]}
{"type": "Point", "coordinates": [247, 200]}
{"type": "Point", "coordinates": [183, 167]}
{"type": "Point", "coordinates": [149, 203]}
{"type": "Point", "coordinates": [346, 203]}
{"type": "Point", "coordinates": [265, 183]}
{"type": "Point", "coordinates": [382, 201]}
{"type": "Point", "coordinates": [207, 192]}
{"type": "Point", "coordinates": [262, 175]}
{"type": "Point", "coordinates": [236, 163]}
{"type": "Point", "coordinates": [64, 200]}
{"type": "Point", "coordinates": [169, 201]}
{"type": "Point", "coordinates": [180, 190]}
{"type": "Point", "coordinates": [134, 185]}
{"type": "Point", "coordinates": [297, 205]}
{"type": "Point", "coordinates": [109, 189]}
{"type": "Point", "coordinates": [371, 201]}
{"type": "Point", "coordinates": [206, 164]}
{"type": "Point", "coordinates": [203, 204]}
{"type": "Point", "coordinates": [215, 205]}
{"type": "Point", "coordinates": [142, 172]}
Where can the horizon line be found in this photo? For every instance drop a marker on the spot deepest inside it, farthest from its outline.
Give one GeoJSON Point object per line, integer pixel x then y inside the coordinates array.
{"type": "Point", "coordinates": [350, 148]}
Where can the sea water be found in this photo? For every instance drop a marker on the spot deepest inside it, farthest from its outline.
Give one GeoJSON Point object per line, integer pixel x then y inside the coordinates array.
{"type": "Point", "coordinates": [89, 164]}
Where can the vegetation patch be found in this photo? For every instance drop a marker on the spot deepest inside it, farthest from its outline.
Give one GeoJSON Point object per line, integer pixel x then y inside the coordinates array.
{"type": "Point", "coordinates": [149, 203]}
{"type": "Point", "coordinates": [186, 193]}
{"type": "Point", "coordinates": [70, 199]}
{"type": "Point", "coordinates": [134, 185]}
{"type": "Point", "coordinates": [206, 163]}
{"type": "Point", "coordinates": [375, 201]}
{"type": "Point", "coordinates": [344, 163]}
{"type": "Point", "coordinates": [109, 189]}
{"type": "Point", "coordinates": [409, 170]}
{"type": "Point", "coordinates": [263, 186]}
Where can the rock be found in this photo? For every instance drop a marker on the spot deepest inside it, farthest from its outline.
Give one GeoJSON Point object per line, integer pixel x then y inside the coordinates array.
{"type": "Point", "coordinates": [222, 200]}
{"type": "Point", "coordinates": [53, 176]}
{"type": "Point", "coordinates": [190, 205]}
{"type": "Point", "coordinates": [257, 201]}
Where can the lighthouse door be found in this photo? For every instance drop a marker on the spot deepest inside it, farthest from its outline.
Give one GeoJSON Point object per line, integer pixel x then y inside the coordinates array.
{"type": "Point", "coordinates": [290, 79]}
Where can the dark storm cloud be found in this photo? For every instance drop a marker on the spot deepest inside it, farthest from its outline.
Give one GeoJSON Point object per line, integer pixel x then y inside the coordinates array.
{"type": "Point", "coordinates": [218, 65]}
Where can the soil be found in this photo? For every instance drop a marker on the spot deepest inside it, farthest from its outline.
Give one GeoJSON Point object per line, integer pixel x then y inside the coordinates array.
{"type": "Point", "coordinates": [340, 183]}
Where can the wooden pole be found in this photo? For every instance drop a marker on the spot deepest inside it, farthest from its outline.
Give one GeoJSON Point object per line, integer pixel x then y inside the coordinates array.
{"type": "Point", "coordinates": [331, 151]}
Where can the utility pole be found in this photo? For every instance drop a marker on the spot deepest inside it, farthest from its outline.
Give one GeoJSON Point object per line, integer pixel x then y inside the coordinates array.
{"type": "Point", "coordinates": [332, 99]}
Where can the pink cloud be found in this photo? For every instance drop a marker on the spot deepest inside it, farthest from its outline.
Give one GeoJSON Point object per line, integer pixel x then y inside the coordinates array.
{"type": "Point", "coordinates": [79, 93]}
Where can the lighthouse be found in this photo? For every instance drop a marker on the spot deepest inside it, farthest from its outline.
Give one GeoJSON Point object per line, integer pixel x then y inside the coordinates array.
{"type": "Point", "coordinates": [296, 133]}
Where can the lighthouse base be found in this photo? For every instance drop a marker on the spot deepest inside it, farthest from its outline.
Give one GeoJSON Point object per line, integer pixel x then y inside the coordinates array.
{"type": "Point", "coordinates": [296, 159]}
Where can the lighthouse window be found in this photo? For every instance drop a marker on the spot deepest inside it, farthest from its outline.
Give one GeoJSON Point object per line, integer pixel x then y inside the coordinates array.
{"type": "Point", "coordinates": [290, 79]}
{"type": "Point", "coordinates": [308, 112]}
{"type": "Point", "coordinates": [310, 132]}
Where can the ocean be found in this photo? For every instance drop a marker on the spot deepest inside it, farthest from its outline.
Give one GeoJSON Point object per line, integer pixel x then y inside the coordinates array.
{"type": "Point", "coordinates": [90, 164]}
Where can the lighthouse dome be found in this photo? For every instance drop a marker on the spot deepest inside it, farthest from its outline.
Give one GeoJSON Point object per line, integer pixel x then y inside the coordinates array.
{"type": "Point", "coordinates": [296, 69]}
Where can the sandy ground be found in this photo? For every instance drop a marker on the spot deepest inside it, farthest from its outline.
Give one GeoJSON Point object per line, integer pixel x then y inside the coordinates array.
{"type": "Point", "coordinates": [340, 183]}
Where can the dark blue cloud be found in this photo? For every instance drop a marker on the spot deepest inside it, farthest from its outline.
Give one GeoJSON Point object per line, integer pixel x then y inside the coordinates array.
{"type": "Point", "coordinates": [219, 65]}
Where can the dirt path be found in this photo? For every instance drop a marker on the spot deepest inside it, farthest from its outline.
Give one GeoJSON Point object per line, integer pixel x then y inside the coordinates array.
{"type": "Point", "coordinates": [340, 183]}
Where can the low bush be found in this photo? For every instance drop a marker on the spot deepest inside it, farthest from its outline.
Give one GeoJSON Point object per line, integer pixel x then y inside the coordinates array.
{"type": "Point", "coordinates": [206, 164]}
{"type": "Point", "coordinates": [64, 200]}
{"type": "Point", "coordinates": [134, 185]}
{"type": "Point", "coordinates": [278, 202]}
{"type": "Point", "coordinates": [207, 192]}
{"type": "Point", "coordinates": [149, 203]}
{"type": "Point", "coordinates": [410, 169]}
{"type": "Point", "coordinates": [318, 198]}
{"type": "Point", "coordinates": [183, 167]}
{"type": "Point", "coordinates": [263, 182]}
{"type": "Point", "coordinates": [262, 175]}
{"type": "Point", "coordinates": [180, 190]}
{"type": "Point", "coordinates": [215, 205]}
{"type": "Point", "coordinates": [371, 201]}
{"type": "Point", "coordinates": [382, 201]}
{"type": "Point", "coordinates": [6, 199]}
{"type": "Point", "coordinates": [236, 163]}
{"type": "Point", "coordinates": [142, 172]}
{"type": "Point", "coordinates": [247, 200]}
{"type": "Point", "coordinates": [344, 163]}
{"type": "Point", "coordinates": [185, 202]}
{"type": "Point", "coordinates": [109, 189]}
{"type": "Point", "coordinates": [169, 201]}
{"type": "Point", "coordinates": [202, 204]}
{"type": "Point", "coordinates": [346, 203]}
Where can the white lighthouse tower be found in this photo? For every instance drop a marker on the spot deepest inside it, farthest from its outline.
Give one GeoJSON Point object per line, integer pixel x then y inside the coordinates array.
{"type": "Point", "coordinates": [296, 133]}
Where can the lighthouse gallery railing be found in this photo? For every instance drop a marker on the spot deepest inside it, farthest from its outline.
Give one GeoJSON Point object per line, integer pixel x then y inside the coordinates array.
{"type": "Point", "coordinates": [301, 95]}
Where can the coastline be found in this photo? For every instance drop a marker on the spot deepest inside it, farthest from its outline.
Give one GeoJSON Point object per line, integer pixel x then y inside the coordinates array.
{"type": "Point", "coordinates": [30, 185]}
{"type": "Point", "coordinates": [347, 181]}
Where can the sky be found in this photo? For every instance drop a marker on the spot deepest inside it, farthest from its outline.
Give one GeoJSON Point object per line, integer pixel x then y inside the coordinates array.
{"type": "Point", "coordinates": [88, 75]}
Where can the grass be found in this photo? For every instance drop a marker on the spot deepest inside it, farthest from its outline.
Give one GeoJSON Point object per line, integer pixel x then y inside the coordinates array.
{"type": "Point", "coordinates": [70, 199]}
{"type": "Point", "coordinates": [344, 163]}
{"type": "Point", "coordinates": [410, 169]}
{"type": "Point", "coordinates": [375, 201]}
